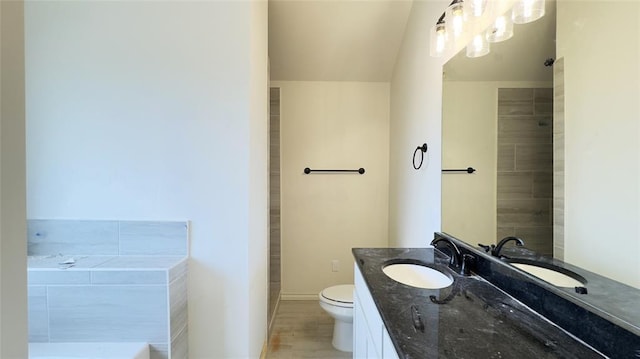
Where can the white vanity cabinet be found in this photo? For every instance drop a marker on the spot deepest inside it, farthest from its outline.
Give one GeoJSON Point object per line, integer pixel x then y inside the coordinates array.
{"type": "Point", "coordinates": [370, 337]}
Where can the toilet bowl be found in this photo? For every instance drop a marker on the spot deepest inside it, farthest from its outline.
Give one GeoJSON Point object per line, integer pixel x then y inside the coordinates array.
{"type": "Point", "coordinates": [338, 302]}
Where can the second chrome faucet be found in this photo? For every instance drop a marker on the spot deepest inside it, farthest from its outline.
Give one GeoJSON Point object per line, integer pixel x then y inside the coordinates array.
{"type": "Point", "coordinates": [496, 249]}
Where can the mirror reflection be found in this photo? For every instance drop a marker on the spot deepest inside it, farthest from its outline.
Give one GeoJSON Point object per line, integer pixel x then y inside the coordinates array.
{"type": "Point", "coordinates": [525, 116]}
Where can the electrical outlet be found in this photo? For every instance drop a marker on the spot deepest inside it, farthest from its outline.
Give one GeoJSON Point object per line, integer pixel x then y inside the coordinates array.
{"type": "Point", "coordinates": [335, 265]}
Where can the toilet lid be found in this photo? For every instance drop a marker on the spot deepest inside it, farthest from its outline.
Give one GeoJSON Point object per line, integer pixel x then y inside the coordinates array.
{"type": "Point", "coordinates": [339, 293]}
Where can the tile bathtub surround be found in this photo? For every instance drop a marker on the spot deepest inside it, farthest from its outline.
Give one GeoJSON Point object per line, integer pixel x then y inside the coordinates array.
{"type": "Point", "coordinates": [89, 237]}
{"type": "Point", "coordinates": [128, 283]}
{"type": "Point", "coordinates": [153, 238]}
{"type": "Point", "coordinates": [178, 319]}
{"type": "Point", "coordinates": [89, 350]}
{"type": "Point", "coordinates": [130, 298]}
{"type": "Point", "coordinates": [46, 237]}
{"type": "Point", "coordinates": [107, 313]}
{"type": "Point", "coordinates": [38, 314]}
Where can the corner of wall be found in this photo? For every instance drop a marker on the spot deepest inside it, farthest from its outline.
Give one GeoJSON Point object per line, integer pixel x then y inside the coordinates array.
{"type": "Point", "coordinates": [13, 245]}
{"type": "Point", "coordinates": [416, 93]}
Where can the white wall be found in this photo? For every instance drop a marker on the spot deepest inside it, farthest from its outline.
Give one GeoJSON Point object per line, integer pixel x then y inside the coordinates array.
{"type": "Point", "coordinates": [416, 118]}
{"type": "Point", "coordinates": [258, 206]}
{"type": "Point", "coordinates": [602, 135]}
{"type": "Point", "coordinates": [331, 125]}
{"type": "Point", "coordinates": [469, 138]}
{"type": "Point", "coordinates": [416, 93]}
{"type": "Point", "coordinates": [13, 233]}
{"type": "Point", "coordinates": [158, 110]}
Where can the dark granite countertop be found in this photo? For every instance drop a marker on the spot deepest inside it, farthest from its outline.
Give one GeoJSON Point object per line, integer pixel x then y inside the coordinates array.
{"type": "Point", "coordinates": [469, 319]}
{"type": "Point", "coordinates": [612, 300]}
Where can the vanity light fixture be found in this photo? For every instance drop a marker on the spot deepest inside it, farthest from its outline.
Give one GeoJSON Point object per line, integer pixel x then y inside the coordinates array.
{"type": "Point", "coordinates": [502, 28]}
{"type": "Point", "coordinates": [451, 25]}
{"type": "Point", "coordinates": [525, 11]}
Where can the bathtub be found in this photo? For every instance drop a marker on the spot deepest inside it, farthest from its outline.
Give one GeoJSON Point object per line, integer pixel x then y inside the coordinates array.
{"type": "Point", "coordinates": [88, 350]}
{"type": "Point", "coordinates": [107, 281]}
{"type": "Point", "coordinates": [107, 299]}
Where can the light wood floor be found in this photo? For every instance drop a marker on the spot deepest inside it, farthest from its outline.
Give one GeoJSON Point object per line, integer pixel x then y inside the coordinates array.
{"type": "Point", "coordinates": [302, 330]}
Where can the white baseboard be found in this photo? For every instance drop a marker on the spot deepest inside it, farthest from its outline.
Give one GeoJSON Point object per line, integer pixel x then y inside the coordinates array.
{"type": "Point", "coordinates": [298, 296]}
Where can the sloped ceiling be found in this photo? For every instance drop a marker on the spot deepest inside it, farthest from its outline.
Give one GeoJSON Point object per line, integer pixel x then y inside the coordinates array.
{"type": "Point", "coordinates": [335, 40]}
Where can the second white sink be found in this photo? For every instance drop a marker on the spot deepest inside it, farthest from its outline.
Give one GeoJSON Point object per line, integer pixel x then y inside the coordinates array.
{"type": "Point", "coordinates": [416, 275]}
{"type": "Point", "coordinates": [549, 275]}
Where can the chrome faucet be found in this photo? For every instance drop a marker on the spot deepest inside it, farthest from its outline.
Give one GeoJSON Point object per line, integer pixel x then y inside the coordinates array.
{"type": "Point", "coordinates": [496, 251]}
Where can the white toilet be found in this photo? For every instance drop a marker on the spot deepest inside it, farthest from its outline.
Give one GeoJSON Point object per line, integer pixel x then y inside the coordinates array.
{"type": "Point", "coordinates": [338, 302]}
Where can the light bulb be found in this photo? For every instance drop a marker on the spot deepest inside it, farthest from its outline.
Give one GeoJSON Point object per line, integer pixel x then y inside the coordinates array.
{"type": "Point", "coordinates": [502, 29]}
{"type": "Point", "coordinates": [458, 20]}
{"type": "Point", "coordinates": [477, 7]}
{"type": "Point", "coordinates": [478, 46]}
{"type": "Point", "coordinates": [439, 40]}
{"type": "Point", "coordinates": [456, 16]}
{"type": "Point", "coordinates": [527, 8]}
{"type": "Point", "coordinates": [525, 11]}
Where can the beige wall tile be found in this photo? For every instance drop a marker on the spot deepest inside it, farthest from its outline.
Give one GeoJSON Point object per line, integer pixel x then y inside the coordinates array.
{"type": "Point", "coordinates": [505, 232]}
{"type": "Point", "coordinates": [506, 157]}
{"type": "Point", "coordinates": [515, 101]}
{"type": "Point", "coordinates": [543, 99]}
{"type": "Point", "coordinates": [539, 239]}
{"type": "Point", "coordinates": [514, 185]}
{"type": "Point", "coordinates": [525, 129]}
{"type": "Point", "coordinates": [524, 212]}
{"type": "Point", "coordinates": [543, 185]}
{"type": "Point", "coordinates": [534, 158]}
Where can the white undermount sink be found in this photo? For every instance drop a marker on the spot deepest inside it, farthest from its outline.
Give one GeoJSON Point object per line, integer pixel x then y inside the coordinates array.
{"type": "Point", "coordinates": [416, 275]}
{"type": "Point", "coordinates": [549, 275]}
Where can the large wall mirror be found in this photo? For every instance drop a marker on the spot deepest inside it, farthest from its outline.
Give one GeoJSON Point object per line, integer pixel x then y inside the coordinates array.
{"type": "Point", "coordinates": [555, 145]}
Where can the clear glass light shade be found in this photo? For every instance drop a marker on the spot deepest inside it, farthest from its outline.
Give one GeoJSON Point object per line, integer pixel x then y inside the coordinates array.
{"type": "Point", "coordinates": [525, 11]}
{"type": "Point", "coordinates": [502, 29]}
{"type": "Point", "coordinates": [439, 40]}
{"type": "Point", "coordinates": [479, 46]}
{"type": "Point", "coordinates": [476, 7]}
{"type": "Point", "coordinates": [456, 16]}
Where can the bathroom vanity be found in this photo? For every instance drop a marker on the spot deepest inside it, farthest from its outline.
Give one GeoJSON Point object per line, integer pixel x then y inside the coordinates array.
{"type": "Point", "coordinates": [474, 317]}
{"type": "Point", "coordinates": [371, 338]}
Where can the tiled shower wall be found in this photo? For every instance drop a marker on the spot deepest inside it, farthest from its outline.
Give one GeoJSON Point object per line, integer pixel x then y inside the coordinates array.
{"type": "Point", "coordinates": [525, 166]}
{"type": "Point", "coordinates": [558, 159]}
{"type": "Point", "coordinates": [274, 202]}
